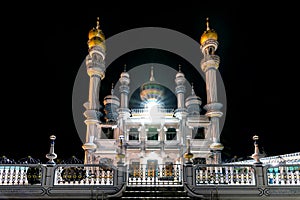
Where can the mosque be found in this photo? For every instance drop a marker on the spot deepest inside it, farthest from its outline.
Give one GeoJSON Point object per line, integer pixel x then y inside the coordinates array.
{"type": "Point", "coordinates": [160, 142]}
{"type": "Point", "coordinates": [153, 133]}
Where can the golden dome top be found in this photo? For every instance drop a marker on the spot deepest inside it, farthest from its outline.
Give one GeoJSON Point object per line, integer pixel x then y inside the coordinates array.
{"type": "Point", "coordinates": [208, 34]}
{"type": "Point", "coordinates": [96, 36]}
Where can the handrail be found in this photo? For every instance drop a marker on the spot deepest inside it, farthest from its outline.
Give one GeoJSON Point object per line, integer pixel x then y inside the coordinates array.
{"type": "Point", "coordinates": [156, 175]}
{"type": "Point", "coordinates": [21, 174]}
{"type": "Point", "coordinates": [80, 174]}
{"type": "Point", "coordinates": [44, 181]}
{"type": "Point", "coordinates": [283, 174]}
{"type": "Point", "coordinates": [224, 174]}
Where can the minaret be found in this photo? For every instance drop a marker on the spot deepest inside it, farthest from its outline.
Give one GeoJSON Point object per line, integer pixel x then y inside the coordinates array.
{"type": "Point", "coordinates": [209, 65]}
{"type": "Point", "coordinates": [123, 111]}
{"type": "Point", "coordinates": [180, 89]}
{"type": "Point", "coordinates": [181, 111]}
{"type": "Point", "coordinates": [96, 70]}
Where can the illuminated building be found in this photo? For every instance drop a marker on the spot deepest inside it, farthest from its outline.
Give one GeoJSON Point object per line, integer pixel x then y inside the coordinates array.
{"type": "Point", "coordinates": [153, 133]}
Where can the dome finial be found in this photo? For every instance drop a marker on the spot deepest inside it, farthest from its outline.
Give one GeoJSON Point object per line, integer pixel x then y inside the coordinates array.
{"type": "Point", "coordinates": [179, 68]}
{"type": "Point", "coordinates": [112, 89]}
{"type": "Point", "coordinates": [152, 74]}
{"type": "Point", "coordinates": [124, 67]}
{"type": "Point", "coordinates": [193, 91]}
{"type": "Point", "coordinates": [207, 24]}
{"type": "Point", "coordinates": [98, 23]}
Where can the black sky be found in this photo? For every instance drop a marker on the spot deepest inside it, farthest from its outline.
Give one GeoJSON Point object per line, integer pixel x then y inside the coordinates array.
{"type": "Point", "coordinates": [45, 48]}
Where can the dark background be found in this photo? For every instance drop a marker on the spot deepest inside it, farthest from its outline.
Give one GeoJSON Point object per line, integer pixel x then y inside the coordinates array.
{"type": "Point", "coordinates": [43, 48]}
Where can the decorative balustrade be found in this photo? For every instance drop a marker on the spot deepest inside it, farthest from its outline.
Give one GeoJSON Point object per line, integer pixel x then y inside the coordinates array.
{"type": "Point", "coordinates": [37, 181]}
{"type": "Point", "coordinates": [241, 181]}
{"type": "Point", "coordinates": [158, 175]}
{"type": "Point", "coordinates": [81, 180]}
{"type": "Point", "coordinates": [224, 174]}
{"type": "Point", "coordinates": [138, 111]}
{"type": "Point", "coordinates": [79, 174]}
{"type": "Point", "coordinates": [21, 174]}
{"type": "Point", "coordinates": [71, 174]}
{"type": "Point", "coordinates": [64, 174]}
{"type": "Point", "coordinates": [287, 174]}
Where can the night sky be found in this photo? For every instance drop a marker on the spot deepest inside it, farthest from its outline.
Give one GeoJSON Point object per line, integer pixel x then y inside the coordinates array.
{"type": "Point", "coordinates": [43, 51]}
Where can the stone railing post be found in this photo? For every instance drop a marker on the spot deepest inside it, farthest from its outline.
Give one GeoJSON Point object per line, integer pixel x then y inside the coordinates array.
{"type": "Point", "coordinates": [50, 169]}
{"type": "Point", "coordinates": [259, 175]}
{"type": "Point", "coordinates": [188, 177]}
{"type": "Point", "coordinates": [50, 176]}
{"type": "Point", "coordinates": [121, 174]}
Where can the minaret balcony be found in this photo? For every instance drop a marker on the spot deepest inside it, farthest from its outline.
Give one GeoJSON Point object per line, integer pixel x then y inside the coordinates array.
{"type": "Point", "coordinates": [213, 109]}
{"type": "Point", "coordinates": [91, 114]}
{"type": "Point", "coordinates": [98, 50]}
{"type": "Point", "coordinates": [210, 43]}
{"type": "Point", "coordinates": [209, 61]}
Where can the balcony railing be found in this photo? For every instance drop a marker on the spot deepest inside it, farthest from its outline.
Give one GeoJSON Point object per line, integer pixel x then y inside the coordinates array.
{"type": "Point", "coordinates": [158, 175]}
{"type": "Point", "coordinates": [83, 175]}
{"type": "Point", "coordinates": [38, 181]}
{"type": "Point", "coordinates": [241, 181]}
{"type": "Point", "coordinates": [225, 174]}
{"type": "Point", "coordinates": [21, 174]}
{"type": "Point", "coordinates": [140, 111]}
{"type": "Point", "coordinates": [283, 175]}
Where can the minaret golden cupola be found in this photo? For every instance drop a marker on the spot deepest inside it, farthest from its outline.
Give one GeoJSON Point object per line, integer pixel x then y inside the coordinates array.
{"type": "Point", "coordinates": [209, 34]}
{"type": "Point", "coordinates": [96, 37]}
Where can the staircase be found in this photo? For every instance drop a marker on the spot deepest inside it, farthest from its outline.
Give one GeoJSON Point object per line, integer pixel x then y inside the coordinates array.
{"type": "Point", "coordinates": [167, 192]}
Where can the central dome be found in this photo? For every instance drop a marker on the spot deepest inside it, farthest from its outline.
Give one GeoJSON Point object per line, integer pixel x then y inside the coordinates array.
{"type": "Point", "coordinates": [152, 91]}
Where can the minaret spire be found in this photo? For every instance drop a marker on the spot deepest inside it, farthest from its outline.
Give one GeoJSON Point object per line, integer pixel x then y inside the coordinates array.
{"type": "Point", "coordinates": [180, 89]}
{"type": "Point", "coordinates": [98, 24]}
{"type": "Point", "coordinates": [112, 89]}
{"type": "Point", "coordinates": [209, 65]}
{"type": "Point", "coordinates": [152, 74]}
{"type": "Point", "coordinates": [95, 63]}
{"type": "Point", "coordinates": [193, 91]}
{"type": "Point", "coordinates": [207, 24]}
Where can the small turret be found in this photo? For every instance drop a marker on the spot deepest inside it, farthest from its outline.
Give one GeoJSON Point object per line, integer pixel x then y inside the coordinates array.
{"type": "Point", "coordinates": [111, 103]}
{"type": "Point", "coordinates": [193, 103]}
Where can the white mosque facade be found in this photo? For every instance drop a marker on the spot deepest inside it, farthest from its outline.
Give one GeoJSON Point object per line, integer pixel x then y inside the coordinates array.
{"type": "Point", "coordinates": [155, 133]}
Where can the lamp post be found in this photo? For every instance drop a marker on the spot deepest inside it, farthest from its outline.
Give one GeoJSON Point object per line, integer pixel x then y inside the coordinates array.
{"type": "Point", "coordinates": [51, 155]}
{"type": "Point", "coordinates": [188, 155]}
